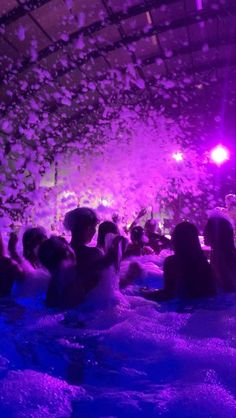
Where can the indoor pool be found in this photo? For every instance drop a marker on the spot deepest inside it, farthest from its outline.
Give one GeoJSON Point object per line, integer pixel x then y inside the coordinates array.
{"type": "Point", "coordinates": [129, 358]}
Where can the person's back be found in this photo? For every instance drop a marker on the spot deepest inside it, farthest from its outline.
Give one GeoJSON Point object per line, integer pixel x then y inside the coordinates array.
{"type": "Point", "coordinates": [219, 235]}
{"type": "Point", "coordinates": [82, 223]}
{"type": "Point", "coordinates": [187, 273]}
{"type": "Point", "coordinates": [190, 278]}
{"type": "Point", "coordinates": [63, 290]}
{"type": "Point", "coordinates": [35, 279]}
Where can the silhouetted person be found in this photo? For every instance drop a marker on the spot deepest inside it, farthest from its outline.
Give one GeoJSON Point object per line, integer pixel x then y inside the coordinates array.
{"type": "Point", "coordinates": [187, 273]}
{"type": "Point", "coordinates": [9, 272]}
{"type": "Point", "coordinates": [156, 241]}
{"type": "Point", "coordinates": [138, 245]}
{"type": "Point", "coordinates": [35, 278]}
{"type": "Point", "coordinates": [219, 235]}
{"type": "Point", "coordinates": [58, 258]}
{"type": "Point", "coordinates": [32, 239]}
{"type": "Point", "coordinates": [82, 223]}
{"type": "Point", "coordinates": [106, 227]}
{"type": "Point", "coordinates": [91, 262]}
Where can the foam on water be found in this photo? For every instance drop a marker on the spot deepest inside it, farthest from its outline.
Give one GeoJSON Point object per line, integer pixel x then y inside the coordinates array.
{"type": "Point", "coordinates": [126, 358]}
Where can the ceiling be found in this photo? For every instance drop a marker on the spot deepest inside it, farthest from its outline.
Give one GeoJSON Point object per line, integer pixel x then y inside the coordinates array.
{"type": "Point", "coordinates": [69, 58]}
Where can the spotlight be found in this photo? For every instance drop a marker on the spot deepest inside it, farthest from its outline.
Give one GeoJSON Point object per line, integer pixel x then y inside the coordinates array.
{"type": "Point", "coordinates": [104, 202]}
{"type": "Point", "coordinates": [178, 156]}
{"type": "Point", "coordinates": [219, 154]}
{"type": "Point", "coordinates": [199, 4]}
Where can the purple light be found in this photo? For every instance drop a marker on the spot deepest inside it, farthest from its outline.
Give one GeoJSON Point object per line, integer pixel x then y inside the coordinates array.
{"type": "Point", "coordinates": [219, 154]}
{"type": "Point", "coordinates": [178, 156]}
{"type": "Point", "coordinates": [199, 4]}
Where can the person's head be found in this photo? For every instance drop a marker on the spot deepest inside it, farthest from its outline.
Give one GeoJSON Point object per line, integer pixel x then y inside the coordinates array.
{"type": "Point", "coordinates": [106, 227]}
{"type": "Point", "coordinates": [185, 240]}
{"type": "Point", "coordinates": [219, 234]}
{"type": "Point", "coordinates": [230, 201]}
{"type": "Point", "coordinates": [150, 227]}
{"type": "Point", "coordinates": [54, 251]}
{"type": "Point", "coordinates": [81, 222]}
{"type": "Point", "coordinates": [32, 239]}
{"type": "Point", "coordinates": [137, 235]}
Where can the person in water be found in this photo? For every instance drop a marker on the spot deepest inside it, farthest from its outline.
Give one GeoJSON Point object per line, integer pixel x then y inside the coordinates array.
{"type": "Point", "coordinates": [56, 255]}
{"type": "Point", "coordinates": [105, 228]}
{"type": "Point", "coordinates": [138, 245]}
{"type": "Point", "coordinates": [156, 241]}
{"type": "Point", "coordinates": [187, 273]}
{"type": "Point", "coordinates": [219, 235]}
{"type": "Point", "coordinates": [9, 272]}
{"type": "Point", "coordinates": [91, 261]}
{"type": "Point", "coordinates": [35, 278]}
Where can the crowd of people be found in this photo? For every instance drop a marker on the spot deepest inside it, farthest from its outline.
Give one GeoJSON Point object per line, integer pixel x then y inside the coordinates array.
{"type": "Point", "coordinates": [68, 271]}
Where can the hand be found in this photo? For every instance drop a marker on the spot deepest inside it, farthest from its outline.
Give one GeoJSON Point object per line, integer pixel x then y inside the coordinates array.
{"type": "Point", "coordinates": [142, 213]}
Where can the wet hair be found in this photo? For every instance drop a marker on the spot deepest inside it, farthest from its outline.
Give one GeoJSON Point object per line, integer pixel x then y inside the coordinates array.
{"type": "Point", "coordinates": [32, 237]}
{"type": "Point", "coordinates": [79, 219]}
{"type": "Point", "coordinates": [136, 234]}
{"type": "Point", "coordinates": [106, 227]}
{"type": "Point", "coordinates": [53, 251]}
{"type": "Point", "coordinates": [219, 234]}
{"type": "Point", "coordinates": [185, 240]}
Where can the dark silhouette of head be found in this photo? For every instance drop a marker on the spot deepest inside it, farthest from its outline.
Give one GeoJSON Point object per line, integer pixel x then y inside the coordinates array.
{"type": "Point", "coordinates": [137, 235]}
{"type": "Point", "coordinates": [150, 226]}
{"type": "Point", "coordinates": [82, 223]}
{"type": "Point", "coordinates": [219, 234]}
{"type": "Point", "coordinates": [32, 239]}
{"type": "Point", "coordinates": [54, 251]}
{"type": "Point", "coordinates": [106, 227]}
{"type": "Point", "coordinates": [185, 240]}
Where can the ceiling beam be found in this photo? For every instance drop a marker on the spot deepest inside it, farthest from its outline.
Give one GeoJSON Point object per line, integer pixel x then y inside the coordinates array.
{"type": "Point", "coordinates": [31, 5]}
{"type": "Point", "coordinates": [197, 47]}
{"type": "Point", "coordinates": [20, 11]}
{"type": "Point", "coordinates": [200, 16]}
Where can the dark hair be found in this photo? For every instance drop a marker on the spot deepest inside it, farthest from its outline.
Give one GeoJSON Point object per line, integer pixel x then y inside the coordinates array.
{"type": "Point", "coordinates": [196, 278]}
{"type": "Point", "coordinates": [1, 247]}
{"type": "Point", "coordinates": [185, 240]}
{"type": "Point", "coordinates": [150, 223]}
{"type": "Point", "coordinates": [32, 237]}
{"type": "Point", "coordinates": [105, 228]}
{"type": "Point", "coordinates": [79, 219]}
{"type": "Point", "coordinates": [136, 233]}
{"type": "Point", "coordinates": [53, 251]}
{"type": "Point", "coordinates": [220, 234]}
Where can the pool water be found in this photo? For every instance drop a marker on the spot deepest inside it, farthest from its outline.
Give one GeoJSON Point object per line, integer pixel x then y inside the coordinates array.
{"type": "Point", "coordinates": [128, 358]}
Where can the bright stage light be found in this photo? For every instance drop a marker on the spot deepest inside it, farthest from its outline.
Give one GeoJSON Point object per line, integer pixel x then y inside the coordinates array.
{"type": "Point", "coordinates": [199, 4]}
{"type": "Point", "coordinates": [104, 202]}
{"type": "Point", "coordinates": [178, 156]}
{"type": "Point", "coordinates": [219, 154]}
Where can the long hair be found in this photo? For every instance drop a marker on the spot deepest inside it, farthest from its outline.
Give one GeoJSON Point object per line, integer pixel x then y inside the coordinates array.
{"type": "Point", "coordinates": [185, 240]}
{"type": "Point", "coordinates": [196, 276]}
{"type": "Point", "coordinates": [32, 237]}
{"type": "Point", "coordinates": [219, 234]}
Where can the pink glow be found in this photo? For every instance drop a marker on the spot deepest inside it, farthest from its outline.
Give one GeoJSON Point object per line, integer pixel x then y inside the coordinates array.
{"type": "Point", "coordinates": [178, 156]}
{"type": "Point", "coordinates": [219, 154]}
{"type": "Point", "coordinates": [199, 4]}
